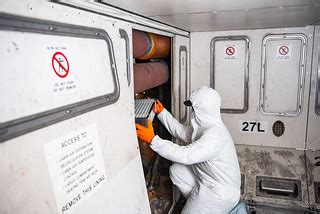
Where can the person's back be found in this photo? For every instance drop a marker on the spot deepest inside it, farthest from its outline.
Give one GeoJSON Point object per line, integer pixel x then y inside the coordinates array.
{"type": "Point", "coordinates": [206, 169]}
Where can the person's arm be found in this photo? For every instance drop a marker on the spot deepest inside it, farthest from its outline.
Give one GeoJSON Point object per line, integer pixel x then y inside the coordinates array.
{"type": "Point", "coordinates": [205, 148]}
{"type": "Point", "coordinates": [175, 128]}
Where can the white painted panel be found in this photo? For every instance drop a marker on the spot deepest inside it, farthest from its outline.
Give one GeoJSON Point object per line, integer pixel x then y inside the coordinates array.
{"type": "Point", "coordinates": [120, 193]}
{"type": "Point", "coordinates": [136, 20]}
{"type": "Point", "coordinates": [283, 74]}
{"type": "Point", "coordinates": [260, 18]}
{"type": "Point", "coordinates": [25, 184]}
{"type": "Point", "coordinates": [229, 72]}
{"type": "Point", "coordinates": [313, 137]}
{"type": "Point", "coordinates": [33, 81]}
{"type": "Point", "coordinates": [181, 77]}
{"type": "Point", "coordinates": [295, 127]}
{"type": "Point", "coordinates": [163, 7]}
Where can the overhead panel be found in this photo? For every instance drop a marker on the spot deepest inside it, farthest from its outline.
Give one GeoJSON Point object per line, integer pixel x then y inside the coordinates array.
{"type": "Point", "coordinates": [55, 79]}
{"type": "Point", "coordinates": [282, 77]}
{"type": "Point", "coordinates": [230, 72]}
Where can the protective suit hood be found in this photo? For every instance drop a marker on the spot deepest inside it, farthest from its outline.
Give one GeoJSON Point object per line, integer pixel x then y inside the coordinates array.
{"type": "Point", "coordinates": [206, 105]}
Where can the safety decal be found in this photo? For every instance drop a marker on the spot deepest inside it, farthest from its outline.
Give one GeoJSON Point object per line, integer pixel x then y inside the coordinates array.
{"type": "Point", "coordinates": [60, 64]}
{"type": "Point", "coordinates": [230, 52]}
{"type": "Point", "coordinates": [283, 52]}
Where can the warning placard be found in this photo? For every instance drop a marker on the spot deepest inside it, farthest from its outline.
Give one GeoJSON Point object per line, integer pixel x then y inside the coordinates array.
{"type": "Point", "coordinates": [230, 52]}
{"type": "Point", "coordinates": [62, 70]}
{"type": "Point", "coordinates": [60, 64]}
{"type": "Point", "coordinates": [76, 167]}
{"type": "Point", "coordinates": [283, 52]}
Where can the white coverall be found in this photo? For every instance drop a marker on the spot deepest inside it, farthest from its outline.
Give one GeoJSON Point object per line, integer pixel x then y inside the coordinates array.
{"type": "Point", "coordinates": [206, 169]}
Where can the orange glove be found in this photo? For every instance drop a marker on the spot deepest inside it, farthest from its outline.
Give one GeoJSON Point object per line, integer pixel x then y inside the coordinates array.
{"type": "Point", "coordinates": [158, 107]}
{"type": "Point", "coordinates": [145, 134]}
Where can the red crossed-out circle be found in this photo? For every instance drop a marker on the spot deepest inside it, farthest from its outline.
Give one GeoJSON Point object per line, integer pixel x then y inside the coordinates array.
{"type": "Point", "coordinates": [284, 50]}
{"type": "Point", "coordinates": [230, 50]}
{"type": "Point", "coordinates": [62, 70]}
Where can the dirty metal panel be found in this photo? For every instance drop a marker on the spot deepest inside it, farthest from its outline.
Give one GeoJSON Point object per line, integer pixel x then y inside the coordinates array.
{"type": "Point", "coordinates": [272, 163]}
{"type": "Point", "coordinates": [313, 135]}
{"type": "Point", "coordinates": [313, 171]}
{"type": "Point", "coordinates": [279, 209]}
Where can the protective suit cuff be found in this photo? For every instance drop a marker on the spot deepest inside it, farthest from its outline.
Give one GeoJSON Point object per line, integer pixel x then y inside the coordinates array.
{"type": "Point", "coordinates": [162, 113]}
{"type": "Point", "coordinates": [154, 142]}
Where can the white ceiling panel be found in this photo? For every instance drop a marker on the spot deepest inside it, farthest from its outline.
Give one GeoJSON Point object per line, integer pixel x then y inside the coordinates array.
{"type": "Point", "coordinates": [206, 15]}
{"type": "Point", "coordinates": [175, 7]}
{"type": "Point", "coordinates": [251, 19]}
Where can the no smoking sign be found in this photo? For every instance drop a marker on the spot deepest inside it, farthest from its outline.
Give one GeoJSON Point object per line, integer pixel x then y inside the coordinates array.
{"type": "Point", "coordinates": [230, 52]}
{"type": "Point", "coordinates": [283, 52]}
{"type": "Point", "coordinates": [60, 64]}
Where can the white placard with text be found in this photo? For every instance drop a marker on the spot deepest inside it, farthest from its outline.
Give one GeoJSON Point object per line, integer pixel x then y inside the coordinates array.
{"type": "Point", "coordinates": [76, 167]}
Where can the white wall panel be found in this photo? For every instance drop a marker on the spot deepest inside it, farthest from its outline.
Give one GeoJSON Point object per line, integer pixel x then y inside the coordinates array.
{"type": "Point", "coordinates": [295, 127]}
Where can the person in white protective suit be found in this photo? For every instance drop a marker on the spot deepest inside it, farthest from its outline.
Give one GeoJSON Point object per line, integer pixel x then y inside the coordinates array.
{"type": "Point", "coordinates": [206, 169]}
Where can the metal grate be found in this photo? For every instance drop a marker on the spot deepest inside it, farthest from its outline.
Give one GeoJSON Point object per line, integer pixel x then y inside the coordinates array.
{"type": "Point", "coordinates": [278, 128]}
{"type": "Point", "coordinates": [142, 108]}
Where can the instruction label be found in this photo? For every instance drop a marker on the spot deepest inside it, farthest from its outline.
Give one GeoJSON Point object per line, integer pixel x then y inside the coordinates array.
{"type": "Point", "coordinates": [257, 127]}
{"type": "Point", "coordinates": [283, 52]}
{"type": "Point", "coordinates": [76, 167]}
{"type": "Point", "coordinates": [230, 52]}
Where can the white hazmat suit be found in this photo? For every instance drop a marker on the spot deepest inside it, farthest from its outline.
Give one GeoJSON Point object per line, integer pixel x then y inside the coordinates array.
{"type": "Point", "coordinates": [206, 169]}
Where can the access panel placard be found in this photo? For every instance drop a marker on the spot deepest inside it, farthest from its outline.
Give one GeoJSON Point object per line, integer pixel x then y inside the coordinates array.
{"type": "Point", "coordinates": [50, 68]}
{"type": "Point", "coordinates": [230, 72]}
{"type": "Point", "coordinates": [76, 167]}
{"type": "Point", "coordinates": [283, 72]}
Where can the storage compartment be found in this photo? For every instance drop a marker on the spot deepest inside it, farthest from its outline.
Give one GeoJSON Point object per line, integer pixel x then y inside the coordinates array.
{"type": "Point", "coordinates": [152, 80]}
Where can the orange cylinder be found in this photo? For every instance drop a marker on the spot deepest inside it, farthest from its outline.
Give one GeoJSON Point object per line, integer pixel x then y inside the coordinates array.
{"type": "Point", "coordinates": [148, 45]}
{"type": "Point", "coordinates": [149, 75]}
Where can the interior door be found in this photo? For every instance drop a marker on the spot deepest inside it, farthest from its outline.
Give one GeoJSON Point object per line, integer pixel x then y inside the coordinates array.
{"type": "Point", "coordinates": [68, 142]}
